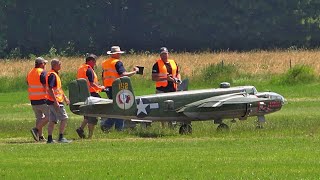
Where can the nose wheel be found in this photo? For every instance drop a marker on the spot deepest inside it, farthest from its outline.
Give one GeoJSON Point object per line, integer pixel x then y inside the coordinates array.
{"type": "Point", "coordinates": [185, 129]}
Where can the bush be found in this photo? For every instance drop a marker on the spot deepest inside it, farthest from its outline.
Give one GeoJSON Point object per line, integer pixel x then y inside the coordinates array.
{"type": "Point", "coordinates": [217, 73]}
{"type": "Point", "coordinates": [296, 75]}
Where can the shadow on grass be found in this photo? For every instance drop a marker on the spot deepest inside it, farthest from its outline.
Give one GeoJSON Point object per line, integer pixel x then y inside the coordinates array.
{"type": "Point", "coordinates": [149, 134]}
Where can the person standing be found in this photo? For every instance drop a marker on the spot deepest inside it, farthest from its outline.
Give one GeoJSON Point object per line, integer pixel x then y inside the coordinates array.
{"type": "Point", "coordinates": [36, 80]}
{"type": "Point", "coordinates": [112, 69]}
{"type": "Point", "coordinates": [165, 72]}
{"type": "Point", "coordinates": [56, 97]}
{"type": "Point", "coordinates": [86, 71]}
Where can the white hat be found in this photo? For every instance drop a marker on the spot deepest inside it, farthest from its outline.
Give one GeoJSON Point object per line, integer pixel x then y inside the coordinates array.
{"type": "Point", "coordinates": [115, 50]}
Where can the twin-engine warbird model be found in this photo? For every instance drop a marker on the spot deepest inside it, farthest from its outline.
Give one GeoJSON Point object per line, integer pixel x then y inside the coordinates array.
{"type": "Point", "coordinates": [184, 106]}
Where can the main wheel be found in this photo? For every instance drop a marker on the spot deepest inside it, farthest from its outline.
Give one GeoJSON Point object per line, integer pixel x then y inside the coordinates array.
{"type": "Point", "coordinates": [185, 129]}
{"type": "Point", "coordinates": [222, 127]}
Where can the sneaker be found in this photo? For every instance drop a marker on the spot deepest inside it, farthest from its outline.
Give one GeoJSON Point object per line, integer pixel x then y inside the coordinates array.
{"type": "Point", "coordinates": [64, 140]}
{"type": "Point", "coordinates": [81, 133]}
{"type": "Point", "coordinates": [34, 132]}
{"type": "Point", "coordinates": [42, 139]}
{"type": "Point", "coordinates": [51, 142]}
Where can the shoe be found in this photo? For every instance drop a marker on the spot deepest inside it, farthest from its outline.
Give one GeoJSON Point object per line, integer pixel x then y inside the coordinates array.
{"type": "Point", "coordinates": [64, 140]}
{"type": "Point", "coordinates": [81, 133]}
{"type": "Point", "coordinates": [42, 139]}
{"type": "Point", "coordinates": [51, 142]}
{"type": "Point", "coordinates": [34, 132]}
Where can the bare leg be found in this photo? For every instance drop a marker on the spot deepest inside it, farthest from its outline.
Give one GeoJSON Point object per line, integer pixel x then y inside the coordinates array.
{"type": "Point", "coordinates": [40, 125]}
{"type": "Point", "coordinates": [50, 128]}
{"type": "Point", "coordinates": [84, 123]}
{"type": "Point", "coordinates": [91, 129]}
{"type": "Point", "coordinates": [63, 125]}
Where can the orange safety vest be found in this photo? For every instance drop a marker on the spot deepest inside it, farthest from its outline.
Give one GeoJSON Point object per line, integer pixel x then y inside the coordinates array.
{"type": "Point", "coordinates": [82, 74]}
{"type": "Point", "coordinates": [57, 91]}
{"type": "Point", "coordinates": [36, 89]}
{"type": "Point", "coordinates": [109, 72]}
{"type": "Point", "coordinates": [163, 72]}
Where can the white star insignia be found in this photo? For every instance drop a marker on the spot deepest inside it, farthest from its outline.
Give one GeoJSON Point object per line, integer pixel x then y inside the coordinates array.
{"type": "Point", "coordinates": [142, 107]}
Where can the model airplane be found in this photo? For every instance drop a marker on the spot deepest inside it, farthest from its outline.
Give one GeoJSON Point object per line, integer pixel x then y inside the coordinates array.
{"type": "Point", "coordinates": [184, 106]}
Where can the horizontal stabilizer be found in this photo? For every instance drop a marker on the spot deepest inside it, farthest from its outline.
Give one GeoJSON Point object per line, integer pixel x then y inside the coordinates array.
{"type": "Point", "coordinates": [95, 100]}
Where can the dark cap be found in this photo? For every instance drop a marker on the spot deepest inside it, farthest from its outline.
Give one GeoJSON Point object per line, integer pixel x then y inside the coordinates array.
{"type": "Point", "coordinates": [90, 57]}
{"type": "Point", "coordinates": [40, 60]}
{"type": "Point", "coordinates": [163, 50]}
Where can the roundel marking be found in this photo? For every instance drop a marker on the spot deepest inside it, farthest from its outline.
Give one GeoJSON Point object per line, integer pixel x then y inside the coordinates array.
{"type": "Point", "coordinates": [124, 99]}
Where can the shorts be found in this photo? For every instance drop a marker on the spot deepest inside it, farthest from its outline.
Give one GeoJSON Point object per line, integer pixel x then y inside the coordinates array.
{"type": "Point", "coordinates": [91, 120]}
{"type": "Point", "coordinates": [57, 115]}
{"type": "Point", "coordinates": [41, 112]}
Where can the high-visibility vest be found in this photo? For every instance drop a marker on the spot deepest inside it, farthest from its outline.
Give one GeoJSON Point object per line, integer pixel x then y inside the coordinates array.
{"type": "Point", "coordinates": [57, 91]}
{"type": "Point", "coordinates": [82, 73]}
{"type": "Point", "coordinates": [36, 89]}
{"type": "Point", "coordinates": [109, 71]}
{"type": "Point", "coordinates": [163, 73]}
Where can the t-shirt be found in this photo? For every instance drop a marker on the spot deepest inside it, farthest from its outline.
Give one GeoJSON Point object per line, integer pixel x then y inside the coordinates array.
{"type": "Point", "coordinates": [90, 75]}
{"type": "Point", "coordinates": [170, 86]}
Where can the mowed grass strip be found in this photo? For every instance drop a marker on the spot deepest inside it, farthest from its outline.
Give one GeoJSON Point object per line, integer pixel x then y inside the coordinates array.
{"type": "Point", "coordinates": [199, 158]}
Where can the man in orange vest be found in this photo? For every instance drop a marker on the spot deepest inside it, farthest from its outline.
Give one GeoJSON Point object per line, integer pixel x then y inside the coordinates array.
{"type": "Point", "coordinates": [165, 72]}
{"type": "Point", "coordinates": [86, 71]}
{"type": "Point", "coordinates": [112, 69]}
{"type": "Point", "coordinates": [56, 97]}
{"type": "Point", "coordinates": [36, 80]}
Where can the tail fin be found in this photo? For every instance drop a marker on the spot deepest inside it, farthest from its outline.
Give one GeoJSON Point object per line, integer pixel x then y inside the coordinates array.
{"type": "Point", "coordinates": [78, 92]}
{"type": "Point", "coordinates": [123, 96]}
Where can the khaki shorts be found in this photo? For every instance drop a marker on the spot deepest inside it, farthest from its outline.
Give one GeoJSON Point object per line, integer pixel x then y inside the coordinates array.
{"type": "Point", "coordinates": [41, 112]}
{"type": "Point", "coordinates": [57, 115]}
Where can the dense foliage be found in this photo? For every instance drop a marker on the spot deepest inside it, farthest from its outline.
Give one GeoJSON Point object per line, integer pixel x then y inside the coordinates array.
{"type": "Point", "coordinates": [73, 26]}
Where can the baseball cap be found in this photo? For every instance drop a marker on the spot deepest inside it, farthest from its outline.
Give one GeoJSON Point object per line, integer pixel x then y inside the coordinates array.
{"type": "Point", "coordinates": [90, 56]}
{"type": "Point", "coordinates": [40, 60]}
{"type": "Point", "coordinates": [163, 50]}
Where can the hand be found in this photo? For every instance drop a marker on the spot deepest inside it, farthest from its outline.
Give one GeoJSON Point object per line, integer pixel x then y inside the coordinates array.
{"type": "Point", "coordinates": [177, 81]}
{"type": "Point", "coordinates": [56, 105]}
{"type": "Point", "coordinates": [66, 100]}
{"type": "Point", "coordinates": [170, 78]}
{"type": "Point", "coordinates": [102, 88]}
{"type": "Point", "coordinates": [136, 69]}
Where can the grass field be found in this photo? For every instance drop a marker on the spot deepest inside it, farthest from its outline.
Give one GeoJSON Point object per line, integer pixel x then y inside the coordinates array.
{"type": "Point", "coordinates": [287, 147]}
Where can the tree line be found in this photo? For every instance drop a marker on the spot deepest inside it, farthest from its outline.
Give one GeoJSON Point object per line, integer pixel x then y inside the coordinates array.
{"type": "Point", "coordinates": [76, 26]}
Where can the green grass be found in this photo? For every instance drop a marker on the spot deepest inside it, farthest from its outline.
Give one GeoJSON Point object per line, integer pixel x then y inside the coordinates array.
{"type": "Point", "coordinates": [286, 148]}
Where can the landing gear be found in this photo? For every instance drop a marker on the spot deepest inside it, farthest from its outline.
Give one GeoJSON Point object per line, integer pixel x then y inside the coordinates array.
{"type": "Point", "coordinates": [185, 129]}
{"type": "Point", "coordinates": [223, 127]}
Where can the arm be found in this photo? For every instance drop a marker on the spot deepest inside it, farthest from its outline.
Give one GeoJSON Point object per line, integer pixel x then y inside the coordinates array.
{"type": "Point", "coordinates": [122, 71]}
{"type": "Point", "coordinates": [135, 70]}
{"type": "Point", "coordinates": [90, 76]}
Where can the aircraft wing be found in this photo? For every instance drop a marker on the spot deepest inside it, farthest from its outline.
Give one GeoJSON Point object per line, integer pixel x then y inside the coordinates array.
{"type": "Point", "coordinates": [218, 101]}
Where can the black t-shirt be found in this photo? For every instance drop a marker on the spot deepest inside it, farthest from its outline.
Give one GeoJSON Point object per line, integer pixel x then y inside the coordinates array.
{"type": "Point", "coordinates": [120, 68]}
{"type": "Point", "coordinates": [170, 86]}
{"type": "Point", "coordinates": [90, 75]}
{"type": "Point", "coordinates": [43, 81]}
